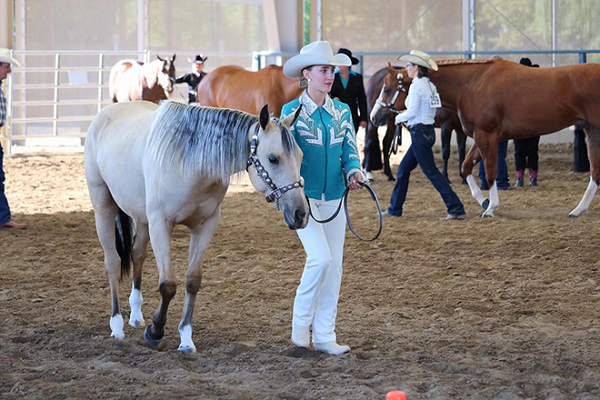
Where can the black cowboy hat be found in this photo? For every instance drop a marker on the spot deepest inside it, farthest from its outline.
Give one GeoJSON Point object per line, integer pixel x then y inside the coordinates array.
{"type": "Point", "coordinates": [527, 62]}
{"type": "Point", "coordinates": [349, 54]}
{"type": "Point", "coordinates": [200, 58]}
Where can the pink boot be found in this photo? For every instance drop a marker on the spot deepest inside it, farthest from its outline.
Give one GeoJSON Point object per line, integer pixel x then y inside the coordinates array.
{"type": "Point", "coordinates": [533, 178]}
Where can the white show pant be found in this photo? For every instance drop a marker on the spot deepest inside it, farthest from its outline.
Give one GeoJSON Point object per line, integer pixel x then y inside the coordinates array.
{"type": "Point", "coordinates": [319, 290]}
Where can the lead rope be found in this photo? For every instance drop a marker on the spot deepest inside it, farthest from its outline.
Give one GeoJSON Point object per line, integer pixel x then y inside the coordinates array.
{"type": "Point", "coordinates": [344, 200]}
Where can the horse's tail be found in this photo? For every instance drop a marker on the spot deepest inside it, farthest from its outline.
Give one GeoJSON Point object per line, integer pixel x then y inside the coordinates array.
{"type": "Point", "coordinates": [124, 240]}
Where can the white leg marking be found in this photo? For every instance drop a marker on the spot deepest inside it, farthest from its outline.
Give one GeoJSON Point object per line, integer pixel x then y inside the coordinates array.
{"type": "Point", "coordinates": [494, 202]}
{"type": "Point", "coordinates": [116, 325]}
{"type": "Point", "coordinates": [585, 202]}
{"type": "Point", "coordinates": [136, 319]}
{"type": "Point", "coordinates": [475, 191]}
{"type": "Point", "coordinates": [187, 345]}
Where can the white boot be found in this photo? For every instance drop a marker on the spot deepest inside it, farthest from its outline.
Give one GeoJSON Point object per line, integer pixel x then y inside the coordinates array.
{"type": "Point", "coordinates": [301, 335]}
{"type": "Point", "coordinates": [331, 348]}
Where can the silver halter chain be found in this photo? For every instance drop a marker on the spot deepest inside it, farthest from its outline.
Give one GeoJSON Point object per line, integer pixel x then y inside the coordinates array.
{"type": "Point", "coordinates": [276, 192]}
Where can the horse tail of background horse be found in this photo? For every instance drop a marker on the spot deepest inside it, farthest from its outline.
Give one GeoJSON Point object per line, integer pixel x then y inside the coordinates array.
{"type": "Point", "coordinates": [124, 235]}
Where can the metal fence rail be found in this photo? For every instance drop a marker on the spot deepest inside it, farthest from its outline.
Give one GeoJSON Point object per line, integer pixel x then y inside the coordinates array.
{"type": "Point", "coordinates": [57, 93]}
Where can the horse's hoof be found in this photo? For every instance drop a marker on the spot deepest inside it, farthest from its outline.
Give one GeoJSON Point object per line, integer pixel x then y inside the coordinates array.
{"type": "Point", "coordinates": [573, 216]}
{"type": "Point", "coordinates": [137, 323]}
{"type": "Point", "coordinates": [118, 335]}
{"type": "Point", "coordinates": [485, 204]}
{"type": "Point", "coordinates": [484, 215]}
{"type": "Point", "coordinates": [149, 339]}
{"type": "Point", "coordinates": [187, 349]}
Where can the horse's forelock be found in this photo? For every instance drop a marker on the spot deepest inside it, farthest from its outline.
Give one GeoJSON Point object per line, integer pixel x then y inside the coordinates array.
{"type": "Point", "coordinates": [287, 139]}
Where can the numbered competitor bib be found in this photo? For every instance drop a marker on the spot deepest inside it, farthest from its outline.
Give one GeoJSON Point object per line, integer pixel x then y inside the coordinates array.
{"type": "Point", "coordinates": [435, 101]}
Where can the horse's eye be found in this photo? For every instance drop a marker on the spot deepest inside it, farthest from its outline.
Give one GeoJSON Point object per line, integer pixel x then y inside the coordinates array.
{"type": "Point", "coordinates": [273, 160]}
{"type": "Point", "coordinates": [387, 90]}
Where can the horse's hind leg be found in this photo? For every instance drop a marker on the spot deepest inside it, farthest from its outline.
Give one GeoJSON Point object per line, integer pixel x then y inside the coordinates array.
{"type": "Point", "coordinates": [160, 234]}
{"type": "Point", "coordinates": [105, 212]}
{"type": "Point", "coordinates": [139, 254]}
{"type": "Point", "coordinates": [593, 142]}
{"type": "Point", "coordinates": [201, 237]}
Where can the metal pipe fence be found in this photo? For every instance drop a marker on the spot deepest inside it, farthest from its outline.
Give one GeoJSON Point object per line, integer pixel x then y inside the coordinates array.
{"type": "Point", "coordinates": [56, 94]}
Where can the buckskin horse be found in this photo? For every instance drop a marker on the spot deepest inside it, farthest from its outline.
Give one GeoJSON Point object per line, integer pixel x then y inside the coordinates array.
{"type": "Point", "coordinates": [132, 80]}
{"type": "Point", "coordinates": [149, 168]}
{"type": "Point", "coordinates": [499, 100]}
{"type": "Point", "coordinates": [234, 87]}
{"type": "Point", "coordinates": [445, 119]}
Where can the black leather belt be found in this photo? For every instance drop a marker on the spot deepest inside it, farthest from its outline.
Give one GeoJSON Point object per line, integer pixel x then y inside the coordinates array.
{"type": "Point", "coordinates": [415, 126]}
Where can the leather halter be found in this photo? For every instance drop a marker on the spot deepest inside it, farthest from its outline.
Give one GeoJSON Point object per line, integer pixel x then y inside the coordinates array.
{"type": "Point", "coordinates": [276, 191]}
{"type": "Point", "coordinates": [390, 106]}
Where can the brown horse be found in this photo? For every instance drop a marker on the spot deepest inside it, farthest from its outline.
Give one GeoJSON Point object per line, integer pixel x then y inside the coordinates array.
{"type": "Point", "coordinates": [499, 100]}
{"type": "Point", "coordinates": [234, 87]}
{"type": "Point", "coordinates": [132, 80]}
{"type": "Point", "coordinates": [445, 119]}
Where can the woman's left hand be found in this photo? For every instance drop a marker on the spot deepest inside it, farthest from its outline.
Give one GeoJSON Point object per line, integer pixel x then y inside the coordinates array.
{"type": "Point", "coordinates": [354, 184]}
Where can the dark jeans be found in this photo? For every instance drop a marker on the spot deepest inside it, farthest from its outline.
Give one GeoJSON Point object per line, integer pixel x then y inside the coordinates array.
{"type": "Point", "coordinates": [526, 153]}
{"type": "Point", "coordinates": [4, 210]}
{"type": "Point", "coordinates": [420, 153]}
{"type": "Point", "coordinates": [502, 171]}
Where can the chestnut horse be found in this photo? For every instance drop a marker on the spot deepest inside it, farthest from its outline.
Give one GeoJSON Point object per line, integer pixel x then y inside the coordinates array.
{"type": "Point", "coordinates": [234, 87]}
{"type": "Point", "coordinates": [498, 100]}
{"type": "Point", "coordinates": [132, 80]}
{"type": "Point", "coordinates": [445, 119]}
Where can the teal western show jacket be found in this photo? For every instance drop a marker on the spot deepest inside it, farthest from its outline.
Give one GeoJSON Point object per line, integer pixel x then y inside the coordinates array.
{"type": "Point", "coordinates": [327, 139]}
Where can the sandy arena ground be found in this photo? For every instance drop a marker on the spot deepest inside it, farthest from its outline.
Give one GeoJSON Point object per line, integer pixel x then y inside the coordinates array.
{"type": "Point", "coordinates": [501, 308]}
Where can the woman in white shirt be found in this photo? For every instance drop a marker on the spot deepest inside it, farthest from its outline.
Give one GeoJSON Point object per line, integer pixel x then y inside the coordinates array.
{"type": "Point", "coordinates": [421, 104]}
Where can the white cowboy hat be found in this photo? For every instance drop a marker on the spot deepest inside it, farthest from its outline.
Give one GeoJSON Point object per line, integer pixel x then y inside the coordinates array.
{"type": "Point", "coordinates": [5, 57]}
{"type": "Point", "coordinates": [419, 58]}
{"type": "Point", "coordinates": [315, 53]}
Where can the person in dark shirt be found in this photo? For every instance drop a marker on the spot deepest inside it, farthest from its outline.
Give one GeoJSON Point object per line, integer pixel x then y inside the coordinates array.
{"type": "Point", "coordinates": [349, 88]}
{"type": "Point", "coordinates": [526, 150]}
{"type": "Point", "coordinates": [193, 78]}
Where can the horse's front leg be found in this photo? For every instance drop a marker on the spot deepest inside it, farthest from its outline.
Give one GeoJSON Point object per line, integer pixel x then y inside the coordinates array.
{"type": "Point", "coordinates": [138, 255]}
{"type": "Point", "coordinates": [160, 235]}
{"type": "Point", "coordinates": [593, 139]}
{"type": "Point", "coordinates": [446, 135]}
{"type": "Point", "coordinates": [387, 145]}
{"type": "Point", "coordinates": [471, 159]}
{"type": "Point", "coordinates": [461, 142]}
{"type": "Point", "coordinates": [490, 163]}
{"type": "Point", "coordinates": [201, 235]}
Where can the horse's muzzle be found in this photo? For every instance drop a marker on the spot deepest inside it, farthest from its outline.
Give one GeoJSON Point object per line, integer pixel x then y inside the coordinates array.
{"type": "Point", "coordinates": [297, 220]}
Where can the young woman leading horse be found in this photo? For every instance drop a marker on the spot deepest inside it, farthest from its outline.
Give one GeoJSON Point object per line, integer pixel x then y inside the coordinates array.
{"type": "Point", "coordinates": [483, 94]}
{"type": "Point", "coordinates": [150, 167]}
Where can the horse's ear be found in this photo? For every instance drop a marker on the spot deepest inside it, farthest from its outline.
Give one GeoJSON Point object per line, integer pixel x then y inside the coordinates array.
{"type": "Point", "coordinates": [174, 56]}
{"type": "Point", "coordinates": [391, 69]}
{"type": "Point", "coordinates": [264, 117]}
{"type": "Point", "coordinates": [290, 119]}
{"type": "Point", "coordinates": [157, 56]}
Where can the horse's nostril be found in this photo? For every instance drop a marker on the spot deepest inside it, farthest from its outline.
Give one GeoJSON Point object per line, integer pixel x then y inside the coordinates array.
{"type": "Point", "coordinates": [300, 214]}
